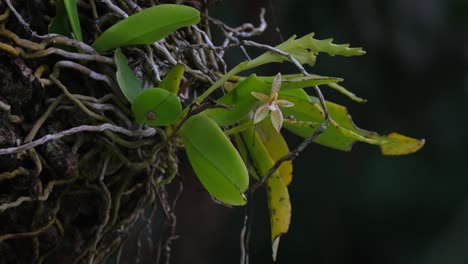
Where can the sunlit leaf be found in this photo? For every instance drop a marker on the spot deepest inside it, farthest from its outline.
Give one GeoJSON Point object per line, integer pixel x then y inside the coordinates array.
{"type": "Point", "coordinates": [215, 160]}
{"type": "Point", "coordinates": [126, 78]}
{"type": "Point", "coordinates": [147, 26]}
{"type": "Point", "coordinates": [156, 107]}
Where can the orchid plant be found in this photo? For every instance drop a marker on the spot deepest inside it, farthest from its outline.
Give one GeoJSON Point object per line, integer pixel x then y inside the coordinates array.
{"type": "Point", "coordinates": [222, 167]}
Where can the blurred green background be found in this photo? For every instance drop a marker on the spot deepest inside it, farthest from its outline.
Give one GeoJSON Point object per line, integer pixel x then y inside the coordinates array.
{"type": "Point", "coordinates": [362, 207]}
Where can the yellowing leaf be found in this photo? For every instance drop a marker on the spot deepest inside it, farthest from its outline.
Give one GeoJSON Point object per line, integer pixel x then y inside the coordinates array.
{"type": "Point", "coordinates": [277, 147]}
{"type": "Point", "coordinates": [279, 203]}
{"type": "Point", "coordinates": [280, 210]}
{"type": "Point", "coordinates": [216, 162]}
{"type": "Point", "coordinates": [397, 144]}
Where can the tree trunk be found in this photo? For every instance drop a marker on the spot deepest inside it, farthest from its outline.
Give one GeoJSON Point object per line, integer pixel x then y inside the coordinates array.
{"type": "Point", "coordinates": [93, 194]}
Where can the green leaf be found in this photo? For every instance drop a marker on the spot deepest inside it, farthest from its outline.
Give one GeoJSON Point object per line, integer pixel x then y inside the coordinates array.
{"type": "Point", "coordinates": [299, 81]}
{"type": "Point", "coordinates": [300, 94]}
{"type": "Point", "coordinates": [126, 78]}
{"type": "Point", "coordinates": [156, 107]}
{"type": "Point", "coordinates": [305, 50]}
{"type": "Point", "coordinates": [215, 160]}
{"type": "Point", "coordinates": [341, 133]}
{"type": "Point", "coordinates": [148, 26]}
{"type": "Point", "coordinates": [73, 18]}
{"type": "Point", "coordinates": [59, 24]}
{"type": "Point", "coordinates": [240, 100]}
{"type": "Point", "coordinates": [172, 80]}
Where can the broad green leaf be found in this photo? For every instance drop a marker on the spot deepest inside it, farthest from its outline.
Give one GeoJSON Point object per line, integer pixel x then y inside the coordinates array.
{"type": "Point", "coordinates": [126, 78]}
{"type": "Point", "coordinates": [240, 100]}
{"type": "Point", "coordinates": [304, 50]}
{"type": "Point", "coordinates": [215, 160]}
{"type": "Point", "coordinates": [156, 107]}
{"type": "Point", "coordinates": [279, 203]}
{"type": "Point", "coordinates": [73, 18]}
{"type": "Point", "coordinates": [172, 80]}
{"type": "Point", "coordinates": [59, 24]}
{"type": "Point", "coordinates": [298, 81]}
{"type": "Point", "coordinates": [277, 148]}
{"type": "Point", "coordinates": [148, 26]}
{"type": "Point", "coordinates": [299, 94]}
{"type": "Point", "coordinates": [341, 133]}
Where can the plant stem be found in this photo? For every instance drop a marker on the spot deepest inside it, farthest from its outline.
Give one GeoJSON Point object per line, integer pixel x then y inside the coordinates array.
{"type": "Point", "coordinates": [237, 129]}
{"type": "Point", "coordinates": [239, 68]}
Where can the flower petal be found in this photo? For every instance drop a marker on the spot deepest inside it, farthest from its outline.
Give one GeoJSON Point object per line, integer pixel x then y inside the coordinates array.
{"type": "Point", "coordinates": [261, 113]}
{"type": "Point", "coordinates": [272, 106]}
{"type": "Point", "coordinates": [260, 96]}
{"type": "Point", "coordinates": [277, 119]}
{"type": "Point", "coordinates": [275, 87]}
{"type": "Point", "coordinates": [284, 103]}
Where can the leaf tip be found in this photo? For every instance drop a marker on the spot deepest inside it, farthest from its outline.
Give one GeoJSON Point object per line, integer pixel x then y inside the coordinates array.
{"type": "Point", "coordinates": [274, 247]}
{"type": "Point", "coordinates": [401, 145]}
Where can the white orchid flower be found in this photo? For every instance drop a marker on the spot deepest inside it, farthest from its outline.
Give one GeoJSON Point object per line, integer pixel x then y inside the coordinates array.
{"type": "Point", "coordinates": [271, 104]}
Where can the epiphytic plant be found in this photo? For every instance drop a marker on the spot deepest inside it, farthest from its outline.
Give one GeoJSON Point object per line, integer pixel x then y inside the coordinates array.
{"type": "Point", "coordinates": [227, 136]}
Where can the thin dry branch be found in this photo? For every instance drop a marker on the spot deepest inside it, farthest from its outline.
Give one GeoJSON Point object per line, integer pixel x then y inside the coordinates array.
{"type": "Point", "coordinates": [149, 132]}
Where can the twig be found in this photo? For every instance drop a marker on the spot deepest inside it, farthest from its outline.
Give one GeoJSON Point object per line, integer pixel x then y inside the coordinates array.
{"type": "Point", "coordinates": [38, 124]}
{"type": "Point", "coordinates": [69, 55]}
{"type": "Point", "coordinates": [27, 234]}
{"type": "Point", "coordinates": [246, 30]}
{"type": "Point", "coordinates": [79, 129]}
{"type": "Point", "coordinates": [114, 8]}
{"type": "Point", "coordinates": [62, 40]}
{"type": "Point", "coordinates": [78, 102]}
{"type": "Point", "coordinates": [4, 106]}
{"type": "Point", "coordinates": [107, 206]}
{"type": "Point", "coordinates": [12, 174]}
{"type": "Point", "coordinates": [43, 197]}
{"type": "Point", "coordinates": [85, 70]}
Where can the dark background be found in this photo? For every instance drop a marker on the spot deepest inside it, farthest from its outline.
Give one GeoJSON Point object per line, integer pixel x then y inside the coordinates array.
{"type": "Point", "coordinates": [362, 207]}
